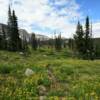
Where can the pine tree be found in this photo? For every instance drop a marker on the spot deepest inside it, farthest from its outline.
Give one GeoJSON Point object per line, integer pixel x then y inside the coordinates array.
{"type": "Point", "coordinates": [88, 40]}
{"type": "Point", "coordinates": [92, 49]}
{"type": "Point", "coordinates": [25, 45]}
{"type": "Point", "coordinates": [71, 43]}
{"type": "Point", "coordinates": [58, 43]}
{"type": "Point", "coordinates": [9, 29]}
{"type": "Point", "coordinates": [16, 41]}
{"type": "Point", "coordinates": [87, 36]}
{"type": "Point", "coordinates": [79, 39]}
{"type": "Point", "coordinates": [9, 17]}
{"type": "Point", "coordinates": [34, 42]}
{"type": "Point", "coordinates": [4, 41]}
{"type": "Point", "coordinates": [0, 40]}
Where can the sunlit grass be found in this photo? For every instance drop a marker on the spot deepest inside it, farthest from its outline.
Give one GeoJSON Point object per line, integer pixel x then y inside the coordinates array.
{"type": "Point", "coordinates": [74, 79]}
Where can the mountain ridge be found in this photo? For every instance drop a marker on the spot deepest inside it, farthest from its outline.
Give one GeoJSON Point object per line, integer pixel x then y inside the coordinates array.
{"type": "Point", "coordinates": [24, 34]}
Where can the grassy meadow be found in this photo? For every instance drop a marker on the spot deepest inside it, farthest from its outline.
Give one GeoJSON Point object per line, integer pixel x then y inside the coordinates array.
{"type": "Point", "coordinates": [57, 76]}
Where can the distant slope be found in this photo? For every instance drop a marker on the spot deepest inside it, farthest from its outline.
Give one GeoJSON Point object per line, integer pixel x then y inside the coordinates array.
{"type": "Point", "coordinates": [97, 41]}
{"type": "Point", "coordinates": [42, 37]}
{"type": "Point", "coordinates": [24, 34]}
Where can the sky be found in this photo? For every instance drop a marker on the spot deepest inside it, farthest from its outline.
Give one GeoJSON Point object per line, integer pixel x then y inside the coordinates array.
{"type": "Point", "coordinates": [47, 17]}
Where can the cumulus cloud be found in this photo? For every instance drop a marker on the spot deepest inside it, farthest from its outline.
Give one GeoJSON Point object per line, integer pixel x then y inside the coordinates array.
{"type": "Point", "coordinates": [96, 29]}
{"type": "Point", "coordinates": [44, 16]}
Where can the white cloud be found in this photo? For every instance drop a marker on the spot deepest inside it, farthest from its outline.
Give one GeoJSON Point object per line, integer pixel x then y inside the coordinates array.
{"type": "Point", "coordinates": [3, 11]}
{"type": "Point", "coordinates": [96, 29]}
{"type": "Point", "coordinates": [44, 16]}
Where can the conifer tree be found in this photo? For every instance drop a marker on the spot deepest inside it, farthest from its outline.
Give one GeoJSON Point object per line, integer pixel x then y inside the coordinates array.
{"type": "Point", "coordinates": [87, 36]}
{"type": "Point", "coordinates": [9, 29]}
{"type": "Point", "coordinates": [25, 45]}
{"type": "Point", "coordinates": [4, 41]}
{"type": "Point", "coordinates": [9, 18]}
{"type": "Point", "coordinates": [92, 49]}
{"type": "Point", "coordinates": [34, 42]}
{"type": "Point", "coordinates": [84, 40]}
{"type": "Point", "coordinates": [58, 43]}
{"type": "Point", "coordinates": [16, 42]}
{"type": "Point", "coordinates": [79, 39]}
{"type": "Point", "coordinates": [88, 40]}
{"type": "Point", "coordinates": [0, 40]}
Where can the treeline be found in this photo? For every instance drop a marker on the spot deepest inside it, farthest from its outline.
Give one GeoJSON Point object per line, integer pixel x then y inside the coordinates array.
{"type": "Point", "coordinates": [10, 38]}
{"type": "Point", "coordinates": [84, 40]}
{"type": "Point", "coordinates": [82, 44]}
{"type": "Point", "coordinates": [14, 41]}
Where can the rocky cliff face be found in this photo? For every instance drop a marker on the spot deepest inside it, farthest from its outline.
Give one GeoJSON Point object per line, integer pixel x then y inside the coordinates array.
{"type": "Point", "coordinates": [42, 37]}
{"type": "Point", "coordinates": [3, 26]}
{"type": "Point", "coordinates": [24, 34]}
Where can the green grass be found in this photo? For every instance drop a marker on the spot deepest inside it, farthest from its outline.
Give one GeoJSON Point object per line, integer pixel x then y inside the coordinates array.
{"type": "Point", "coordinates": [71, 78]}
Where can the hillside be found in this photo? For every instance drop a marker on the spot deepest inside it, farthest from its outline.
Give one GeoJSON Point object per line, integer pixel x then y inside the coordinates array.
{"type": "Point", "coordinates": [56, 76]}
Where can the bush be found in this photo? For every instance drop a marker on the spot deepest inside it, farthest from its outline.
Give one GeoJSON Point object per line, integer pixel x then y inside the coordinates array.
{"type": "Point", "coordinates": [45, 81]}
{"type": "Point", "coordinates": [67, 70]}
{"type": "Point", "coordinates": [58, 93]}
{"type": "Point", "coordinates": [5, 69]}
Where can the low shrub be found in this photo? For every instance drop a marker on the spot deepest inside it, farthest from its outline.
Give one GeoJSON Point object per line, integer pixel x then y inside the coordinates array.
{"type": "Point", "coordinates": [44, 81]}
{"type": "Point", "coordinates": [4, 69]}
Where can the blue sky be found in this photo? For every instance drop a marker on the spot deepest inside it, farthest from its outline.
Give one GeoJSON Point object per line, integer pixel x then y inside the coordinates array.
{"type": "Point", "coordinates": [91, 8]}
{"type": "Point", "coordinates": [49, 16]}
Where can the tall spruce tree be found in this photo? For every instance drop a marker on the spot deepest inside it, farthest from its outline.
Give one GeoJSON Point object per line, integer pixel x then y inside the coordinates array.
{"type": "Point", "coordinates": [34, 42]}
{"type": "Point", "coordinates": [71, 43]}
{"type": "Point", "coordinates": [25, 45]}
{"type": "Point", "coordinates": [92, 49]}
{"type": "Point", "coordinates": [58, 43]}
{"type": "Point", "coordinates": [9, 18]}
{"type": "Point", "coordinates": [9, 29]}
{"type": "Point", "coordinates": [4, 39]}
{"type": "Point", "coordinates": [0, 40]}
{"type": "Point", "coordinates": [14, 41]}
{"type": "Point", "coordinates": [88, 40]}
{"type": "Point", "coordinates": [79, 39]}
{"type": "Point", "coordinates": [87, 36]}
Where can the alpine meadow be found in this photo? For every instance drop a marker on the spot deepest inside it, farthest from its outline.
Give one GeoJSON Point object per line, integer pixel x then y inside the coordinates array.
{"type": "Point", "coordinates": [49, 50]}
